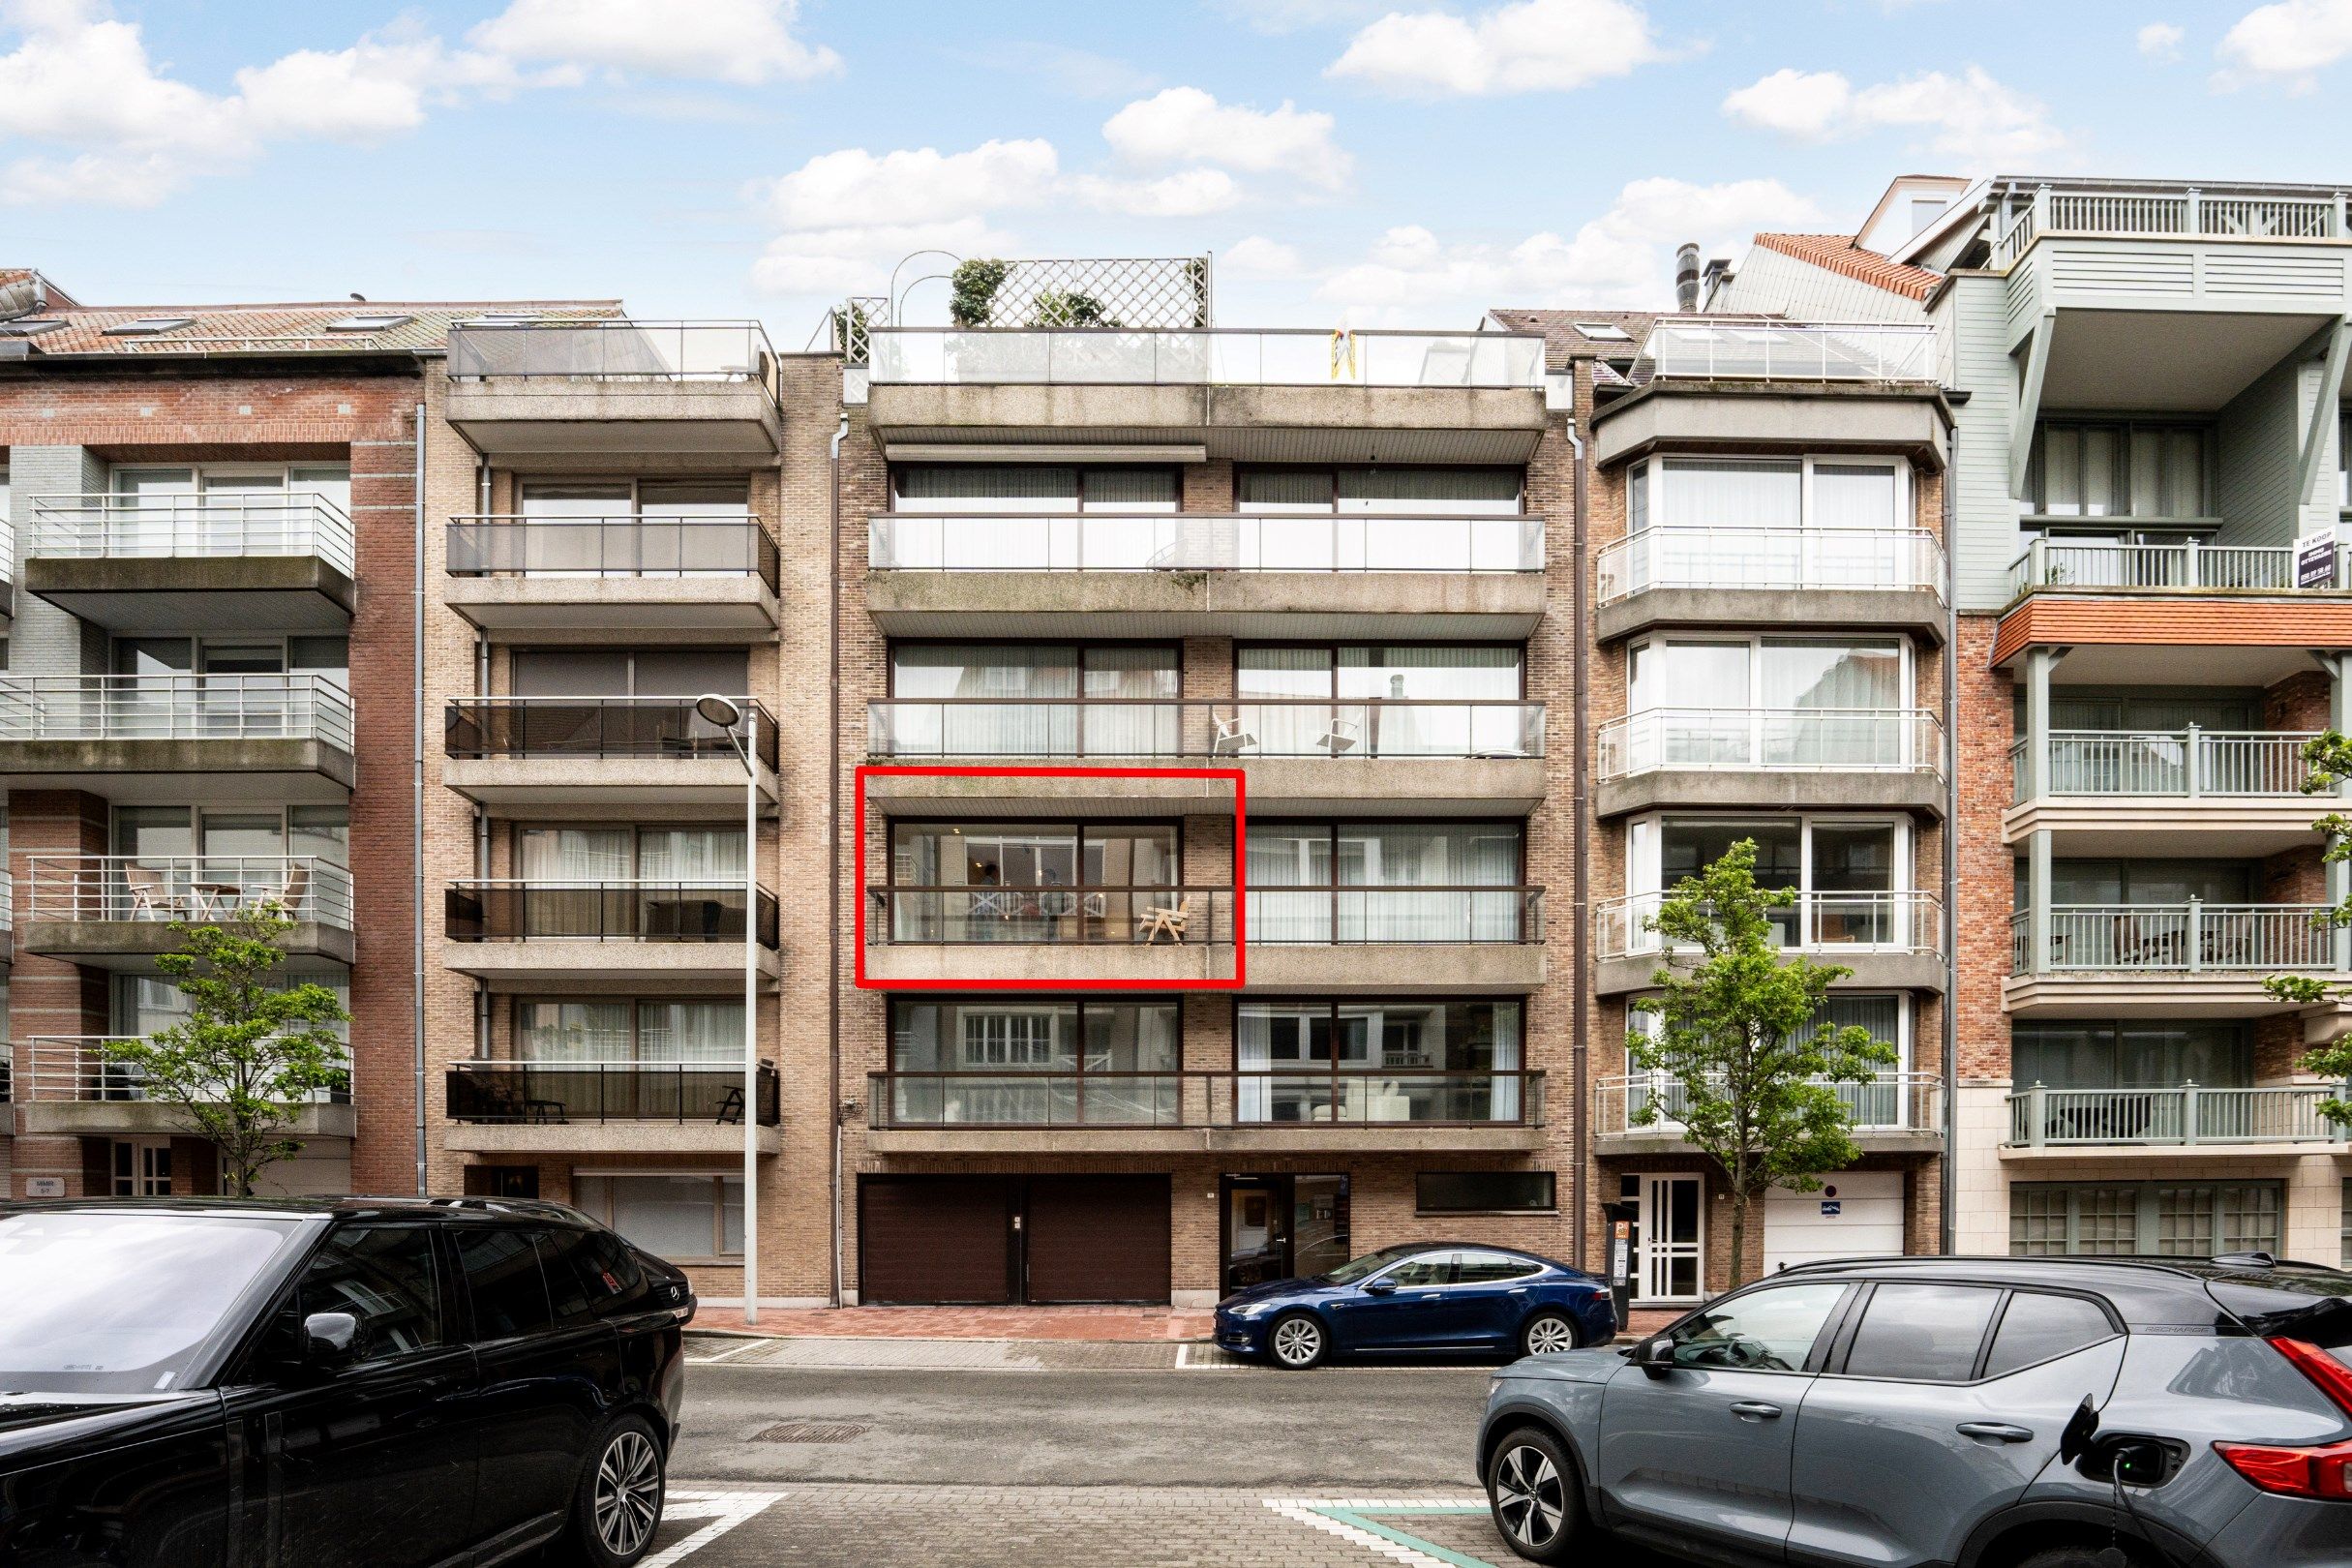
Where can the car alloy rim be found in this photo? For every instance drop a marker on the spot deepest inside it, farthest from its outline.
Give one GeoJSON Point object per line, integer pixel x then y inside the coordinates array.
{"type": "Point", "coordinates": [1548, 1334]}
{"type": "Point", "coordinates": [1528, 1496]}
{"type": "Point", "coordinates": [1297, 1341]}
{"type": "Point", "coordinates": [628, 1494]}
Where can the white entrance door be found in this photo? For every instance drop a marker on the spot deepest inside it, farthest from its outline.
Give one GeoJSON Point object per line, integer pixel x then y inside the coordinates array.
{"type": "Point", "coordinates": [1859, 1214]}
{"type": "Point", "coordinates": [1672, 1265]}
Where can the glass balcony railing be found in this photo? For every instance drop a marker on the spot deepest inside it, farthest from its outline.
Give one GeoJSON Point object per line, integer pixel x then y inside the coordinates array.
{"type": "Point", "coordinates": [1831, 922]}
{"type": "Point", "coordinates": [1856, 740]}
{"type": "Point", "coordinates": [631, 547]}
{"type": "Point", "coordinates": [554, 910]}
{"type": "Point", "coordinates": [1422, 916]}
{"type": "Point", "coordinates": [82, 888]}
{"type": "Point", "coordinates": [2094, 567]}
{"type": "Point", "coordinates": [213, 527]}
{"type": "Point", "coordinates": [1241, 729]}
{"type": "Point", "coordinates": [177, 707]}
{"type": "Point", "coordinates": [582, 727]}
{"type": "Point", "coordinates": [1003, 357]}
{"type": "Point", "coordinates": [611, 350]}
{"type": "Point", "coordinates": [1347, 1098]}
{"type": "Point", "coordinates": [1886, 1103]}
{"type": "Point", "coordinates": [562, 1094]}
{"type": "Point", "coordinates": [1201, 542]}
{"type": "Point", "coordinates": [2041, 1117]}
{"type": "Point", "coordinates": [1788, 351]}
{"type": "Point", "coordinates": [1781, 560]}
{"type": "Point", "coordinates": [2175, 939]}
{"type": "Point", "coordinates": [1049, 915]}
{"type": "Point", "coordinates": [2188, 764]}
{"type": "Point", "coordinates": [77, 1068]}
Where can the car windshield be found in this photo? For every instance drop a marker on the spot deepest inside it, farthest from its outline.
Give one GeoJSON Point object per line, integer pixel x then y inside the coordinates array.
{"type": "Point", "coordinates": [98, 1303]}
{"type": "Point", "coordinates": [1371, 1264]}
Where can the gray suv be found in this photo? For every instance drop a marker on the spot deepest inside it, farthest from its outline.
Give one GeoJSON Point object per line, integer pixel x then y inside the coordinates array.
{"type": "Point", "coordinates": [2063, 1413]}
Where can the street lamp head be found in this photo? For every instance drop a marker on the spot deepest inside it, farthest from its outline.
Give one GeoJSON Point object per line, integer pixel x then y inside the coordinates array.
{"type": "Point", "coordinates": [718, 711]}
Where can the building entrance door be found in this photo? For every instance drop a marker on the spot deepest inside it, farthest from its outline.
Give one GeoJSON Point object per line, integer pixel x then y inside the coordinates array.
{"type": "Point", "coordinates": [1283, 1227]}
{"type": "Point", "coordinates": [1671, 1244]}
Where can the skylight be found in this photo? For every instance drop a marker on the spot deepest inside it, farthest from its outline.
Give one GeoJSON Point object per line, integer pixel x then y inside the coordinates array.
{"type": "Point", "coordinates": [368, 324]}
{"type": "Point", "coordinates": [1604, 332]}
{"type": "Point", "coordinates": [29, 329]}
{"type": "Point", "coordinates": [148, 326]}
{"type": "Point", "coordinates": [499, 319]}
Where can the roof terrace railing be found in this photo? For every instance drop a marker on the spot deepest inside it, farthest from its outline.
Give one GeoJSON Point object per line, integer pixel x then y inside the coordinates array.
{"type": "Point", "coordinates": [2207, 212]}
{"type": "Point", "coordinates": [614, 350]}
{"type": "Point", "coordinates": [1788, 351]}
{"type": "Point", "coordinates": [998, 356]}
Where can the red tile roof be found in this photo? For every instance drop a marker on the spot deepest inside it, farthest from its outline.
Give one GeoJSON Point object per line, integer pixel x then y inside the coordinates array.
{"type": "Point", "coordinates": [1838, 254]}
{"type": "Point", "coordinates": [279, 329]}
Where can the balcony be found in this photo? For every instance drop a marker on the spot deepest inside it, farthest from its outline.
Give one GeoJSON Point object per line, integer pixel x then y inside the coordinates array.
{"type": "Point", "coordinates": [68, 1088]}
{"type": "Point", "coordinates": [2241, 792]}
{"type": "Point", "coordinates": [1404, 1109]}
{"type": "Point", "coordinates": [1194, 393]}
{"type": "Point", "coordinates": [519, 752]}
{"type": "Point", "coordinates": [1689, 575]}
{"type": "Point", "coordinates": [118, 911]}
{"type": "Point", "coordinates": [286, 737]}
{"type": "Point", "coordinates": [137, 564]}
{"type": "Point", "coordinates": [685, 392]}
{"type": "Point", "coordinates": [1788, 758]}
{"type": "Point", "coordinates": [1204, 573]}
{"type": "Point", "coordinates": [1890, 940]}
{"type": "Point", "coordinates": [2240, 1121]}
{"type": "Point", "coordinates": [522, 576]}
{"type": "Point", "coordinates": [605, 1107]}
{"type": "Point", "coordinates": [2191, 566]}
{"type": "Point", "coordinates": [1466, 940]}
{"type": "Point", "coordinates": [1788, 351]}
{"type": "Point", "coordinates": [589, 935]}
{"type": "Point", "coordinates": [1891, 1113]}
{"type": "Point", "coordinates": [1047, 936]}
{"type": "Point", "coordinates": [2191, 960]}
{"type": "Point", "coordinates": [1301, 756]}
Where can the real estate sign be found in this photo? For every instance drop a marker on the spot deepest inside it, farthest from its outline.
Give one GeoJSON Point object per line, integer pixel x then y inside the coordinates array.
{"type": "Point", "coordinates": [2315, 560]}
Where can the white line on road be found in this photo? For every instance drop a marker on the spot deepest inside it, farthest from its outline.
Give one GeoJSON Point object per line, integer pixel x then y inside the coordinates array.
{"type": "Point", "coordinates": [725, 1510]}
{"type": "Point", "coordinates": [1303, 1510]}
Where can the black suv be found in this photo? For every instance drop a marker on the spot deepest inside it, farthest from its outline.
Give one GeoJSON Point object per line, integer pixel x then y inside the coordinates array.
{"type": "Point", "coordinates": [257, 1383]}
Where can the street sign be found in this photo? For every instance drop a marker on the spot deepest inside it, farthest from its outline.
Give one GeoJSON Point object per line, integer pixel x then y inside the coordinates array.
{"type": "Point", "coordinates": [40, 1186]}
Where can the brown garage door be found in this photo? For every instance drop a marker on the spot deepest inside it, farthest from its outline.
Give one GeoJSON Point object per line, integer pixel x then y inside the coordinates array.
{"type": "Point", "coordinates": [1098, 1238]}
{"type": "Point", "coordinates": [935, 1239]}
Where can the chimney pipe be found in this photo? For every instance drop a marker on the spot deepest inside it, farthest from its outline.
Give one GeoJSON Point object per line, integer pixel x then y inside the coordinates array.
{"type": "Point", "coordinates": [1686, 278]}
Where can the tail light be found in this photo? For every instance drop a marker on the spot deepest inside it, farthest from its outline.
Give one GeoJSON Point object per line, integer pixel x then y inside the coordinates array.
{"type": "Point", "coordinates": [2294, 1472]}
{"type": "Point", "coordinates": [2333, 1377]}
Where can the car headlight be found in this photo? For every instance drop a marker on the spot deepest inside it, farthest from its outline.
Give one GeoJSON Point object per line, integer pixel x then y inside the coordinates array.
{"type": "Point", "coordinates": [1254, 1308]}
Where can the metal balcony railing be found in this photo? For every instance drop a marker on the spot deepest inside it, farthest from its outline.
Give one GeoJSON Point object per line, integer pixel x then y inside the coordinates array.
{"type": "Point", "coordinates": [500, 545]}
{"type": "Point", "coordinates": [1788, 351]}
{"type": "Point", "coordinates": [177, 707]}
{"type": "Point", "coordinates": [1698, 555]}
{"type": "Point", "coordinates": [1240, 729]}
{"type": "Point", "coordinates": [1423, 916]}
{"type": "Point", "coordinates": [2187, 764]}
{"type": "Point", "coordinates": [1011, 357]}
{"type": "Point", "coordinates": [2040, 1117]}
{"type": "Point", "coordinates": [146, 528]}
{"type": "Point", "coordinates": [1795, 740]}
{"type": "Point", "coordinates": [2122, 568]}
{"type": "Point", "coordinates": [560, 1094]}
{"type": "Point", "coordinates": [1201, 542]}
{"type": "Point", "coordinates": [2179, 939]}
{"type": "Point", "coordinates": [2158, 211]}
{"type": "Point", "coordinates": [1834, 923]}
{"type": "Point", "coordinates": [76, 1068]}
{"type": "Point", "coordinates": [594, 727]}
{"type": "Point", "coordinates": [1401, 1097]}
{"type": "Point", "coordinates": [187, 887]}
{"type": "Point", "coordinates": [510, 910]}
{"type": "Point", "coordinates": [1049, 915]}
{"type": "Point", "coordinates": [1888, 1103]}
{"type": "Point", "coordinates": [611, 350]}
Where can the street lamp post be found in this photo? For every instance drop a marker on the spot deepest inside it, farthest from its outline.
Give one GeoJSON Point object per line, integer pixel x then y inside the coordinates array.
{"type": "Point", "coordinates": [742, 721]}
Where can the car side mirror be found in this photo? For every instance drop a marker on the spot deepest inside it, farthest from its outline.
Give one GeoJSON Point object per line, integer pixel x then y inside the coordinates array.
{"type": "Point", "coordinates": [1379, 1287]}
{"type": "Point", "coordinates": [330, 1340]}
{"type": "Point", "coordinates": [1655, 1357]}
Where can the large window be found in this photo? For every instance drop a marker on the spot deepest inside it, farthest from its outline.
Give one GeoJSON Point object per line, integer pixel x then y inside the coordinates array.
{"type": "Point", "coordinates": [2119, 470]}
{"type": "Point", "coordinates": [668, 672]}
{"type": "Point", "coordinates": [620, 1030]}
{"type": "Point", "coordinates": [703, 857]}
{"type": "Point", "coordinates": [1021, 487]}
{"type": "Point", "coordinates": [2155, 1218]}
{"type": "Point", "coordinates": [1367, 490]}
{"type": "Point", "coordinates": [1032, 882]}
{"type": "Point", "coordinates": [1033, 700]}
{"type": "Point", "coordinates": [1850, 872]}
{"type": "Point", "coordinates": [1386, 882]}
{"type": "Point", "coordinates": [1485, 1191]}
{"type": "Point", "coordinates": [2149, 881]}
{"type": "Point", "coordinates": [1768, 523]}
{"type": "Point", "coordinates": [221, 508]}
{"type": "Point", "coordinates": [682, 1216]}
{"type": "Point", "coordinates": [1033, 1062]}
{"type": "Point", "coordinates": [1883, 1102]}
{"type": "Point", "coordinates": [651, 500]}
{"type": "Point", "coordinates": [2152, 1055]}
{"type": "Point", "coordinates": [1420, 1061]}
{"type": "Point", "coordinates": [1383, 700]}
{"type": "Point", "coordinates": [1769, 702]}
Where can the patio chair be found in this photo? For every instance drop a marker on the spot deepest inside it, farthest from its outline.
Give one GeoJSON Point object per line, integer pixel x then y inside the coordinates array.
{"type": "Point", "coordinates": [150, 892]}
{"type": "Point", "coordinates": [1338, 737]}
{"type": "Point", "coordinates": [730, 1107]}
{"type": "Point", "coordinates": [1232, 741]}
{"type": "Point", "coordinates": [1168, 920]}
{"type": "Point", "coordinates": [296, 891]}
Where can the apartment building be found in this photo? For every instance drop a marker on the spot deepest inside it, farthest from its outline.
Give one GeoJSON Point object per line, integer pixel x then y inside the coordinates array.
{"type": "Point", "coordinates": [2147, 481]}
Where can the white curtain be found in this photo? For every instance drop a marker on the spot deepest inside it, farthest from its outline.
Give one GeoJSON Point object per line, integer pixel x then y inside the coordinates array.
{"type": "Point", "coordinates": [572, 1031]}
{"type": "Point", "coordinates": [697, 857]}
{"type": "Point", "coordinates": [690, 1032]}
{"type": "Point", "coordinates": [1130, 710]}
{"type": "Point", "coordinates": [1289, 857]}
{"type": "Point", "coordinates": [1851, 544]}
{"type": "Point", "coordinates": [1860, 682]}
{"type": "Point", "coordinates": [577, 854]}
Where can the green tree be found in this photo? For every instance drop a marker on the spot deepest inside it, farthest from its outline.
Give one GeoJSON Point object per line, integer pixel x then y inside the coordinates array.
{"type": "Point", "coordinates": [2331, 759]}
{"type": "Point", "coordinates": [972, 290]}
{"type": "Point", "coordinates": [1739, 1037]}
{"type": "Point", "coordinates": [1067, 307]}
{"type": "Point", "coordinates": [252, 1049]}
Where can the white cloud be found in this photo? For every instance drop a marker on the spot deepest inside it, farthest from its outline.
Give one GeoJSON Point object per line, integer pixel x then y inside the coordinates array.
{"type": "Point", "coordinates": [1969, 118]}
{"type": "Point", "coordinates": [378, 87]}
{"type": "Point", "coordinates": [1191, 192]}
{"type": "Point", "coordinates": [735, 41]}
{"type": "Point", "coordinates": [2286, 42]}
{"type": "Point", "coordinates": [1258, 257]}
{"type": "Point", "coordinates": [1187, 125]}
{"type": "Point", "coordinates": [1297, 16]}
{"type": "Point", "coordinates": [1623, 257]}
{"type": "Point", "coordinates": [2162, 40]}
{"type": "Point", "coordinates": [1533, 46]}
{"type": "Point", "coordinates": [855, 187]}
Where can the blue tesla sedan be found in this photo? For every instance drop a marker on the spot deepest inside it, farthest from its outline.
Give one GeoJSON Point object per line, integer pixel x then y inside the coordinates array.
{"type": "Point", "coordinates": [1422, 1297]}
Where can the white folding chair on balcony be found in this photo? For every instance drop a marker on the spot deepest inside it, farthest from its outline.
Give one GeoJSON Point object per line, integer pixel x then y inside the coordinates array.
{"type": "Point", "coordinates": [1232, 741]}
{"type": "Point", "coordinates": [295, 894]}
{"type": "Point", "coordinates": [1339, 737]}
{"type": "Point", "coordinates": [150, 894]}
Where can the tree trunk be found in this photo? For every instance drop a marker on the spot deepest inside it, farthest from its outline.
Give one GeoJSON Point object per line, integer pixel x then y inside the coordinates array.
{"type": "Point", "coordinates": [1739, 1237]}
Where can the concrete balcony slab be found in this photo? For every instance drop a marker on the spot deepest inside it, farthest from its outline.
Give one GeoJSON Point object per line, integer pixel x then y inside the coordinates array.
{"type": "Point", "coordinates": [589, 967]}
{"type": "Point", "coordinates": [592, 609]}
{"type": "Point", "coordinates": [136, 594]}
{"type": "Point", "coordinates": [1873, 970]}
{"type": "Point", "coordinates": [133, 946]}
{"type": "Point", "coordinates": [1920, 612]}
{"type": "Point", "coordinates": [607, 1138]}
{"type": "Point", "coordinates": [1047, 965]}
{"type": "Point", "coordinates": [647, 787]}
{"type": "Point", "coordinates": [1373, 968]}
{"type": "Point", "coordinates": [2213, 825]}
{"type": "Point", "coordinates": [1920, 791]}
{"type": "Point", "coordinates": [1206, 604]}
{"type": "Point", "coordinates": [298, 771]}
{"type": "Point", "coordinates": [2156, 994]}
{"type": "Point", "coordinates": [148, 1118]}
{"type": "Point", "coordinates": [522, 418]}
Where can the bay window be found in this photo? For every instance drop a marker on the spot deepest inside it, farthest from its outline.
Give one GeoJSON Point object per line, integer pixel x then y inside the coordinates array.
{"type": "Point", "coordinates": [1386, 882]}
{"type": "Point", "coordinates": [1851, 874]}
{"type": "Point", "coordinates": [1769, 523]}
{"type": "Point", "coordinates": [1372, 1060]}
{"type": "Point", "coordinates": [1769, 702]}
{"type": "Point", "coordinates": [1882, 1102]}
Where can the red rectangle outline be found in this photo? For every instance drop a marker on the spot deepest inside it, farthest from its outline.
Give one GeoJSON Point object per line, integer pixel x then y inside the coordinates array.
{"type": "Point", "coordinates": [1241, 890]}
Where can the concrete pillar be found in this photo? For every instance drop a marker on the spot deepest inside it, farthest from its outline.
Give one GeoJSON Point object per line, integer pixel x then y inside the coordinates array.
{"type": "Point", "coordinates": [2040, 662]}
{"type": "Point", "coordinates": [2038, 900]}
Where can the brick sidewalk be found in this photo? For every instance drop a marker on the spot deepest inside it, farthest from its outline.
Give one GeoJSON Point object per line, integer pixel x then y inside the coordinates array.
{"type": "Point", "coordinates": [1089, 1324]}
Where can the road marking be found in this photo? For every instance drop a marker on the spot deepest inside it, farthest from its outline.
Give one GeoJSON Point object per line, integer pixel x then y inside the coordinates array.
{"type": "Point", "coordinates": [726, 1355]}
{"type": "Point", "coordinates": [1345, 1518]}
{"type": "Point", "coordinates": [725, 1510]}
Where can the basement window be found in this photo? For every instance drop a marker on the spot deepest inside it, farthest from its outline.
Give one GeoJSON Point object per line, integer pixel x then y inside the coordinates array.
{"type": "Point", "coordinates": [149, 326]}
{"type": "Point", "coordinates": [1485, 1191]}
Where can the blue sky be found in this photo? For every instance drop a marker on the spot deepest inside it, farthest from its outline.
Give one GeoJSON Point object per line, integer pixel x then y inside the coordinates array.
{"type": "Point", "coordinates": [1405, 161]}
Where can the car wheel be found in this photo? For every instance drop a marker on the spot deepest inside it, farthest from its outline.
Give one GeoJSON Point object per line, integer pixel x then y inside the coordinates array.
{"type": "Point", "coordinates": [1546, 1333]}
{"type": "Point", "coordinates": [618, 1505]}
{"type": "Point", "coordinates": [1532, 1489]}
{"type": "Point", "coordinates": [1297, 1340]}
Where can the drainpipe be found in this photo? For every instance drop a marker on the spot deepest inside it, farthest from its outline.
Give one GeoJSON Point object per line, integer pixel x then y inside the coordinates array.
{"type": "Point", "coordinates": [1580, 934]}
{"type": "Point", "coordinates": [833, 847]}
{"type": "Point", "coordinates": [1948, 1230]}
{"type": "Point", "coordinates": [416, 802]}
